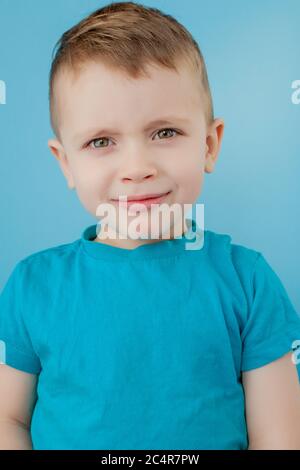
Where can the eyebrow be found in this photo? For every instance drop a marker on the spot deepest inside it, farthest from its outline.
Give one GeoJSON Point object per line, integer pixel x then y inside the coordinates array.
{"type": "Point", "coordinates": [96, 132]}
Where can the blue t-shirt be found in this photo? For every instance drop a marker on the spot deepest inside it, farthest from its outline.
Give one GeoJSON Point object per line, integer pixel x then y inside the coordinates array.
{"type": "Point", "coordinates": [144, 348]}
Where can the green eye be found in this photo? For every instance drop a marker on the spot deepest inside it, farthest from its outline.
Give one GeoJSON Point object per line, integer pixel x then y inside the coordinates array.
{"type": "Point", "coordinates": [97, 143]}
{"type": "Point", "coordinates": [165, 130]}
{"type": "Point", "coordinates": [98, 140]}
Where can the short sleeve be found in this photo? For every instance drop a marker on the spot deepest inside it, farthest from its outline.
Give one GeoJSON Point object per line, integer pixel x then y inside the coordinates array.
{"type": "Point", "coordinates": [272, 328]}
{"type": "Point", "coordinates": [16, 348]}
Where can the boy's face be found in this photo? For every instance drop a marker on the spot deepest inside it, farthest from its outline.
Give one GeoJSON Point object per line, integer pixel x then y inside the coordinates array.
{"type": "Point", "coordinates": [129, 156]}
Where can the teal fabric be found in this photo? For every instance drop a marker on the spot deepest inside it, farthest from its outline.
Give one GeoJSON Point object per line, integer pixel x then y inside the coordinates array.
{"type": "Point", "coordinates": [144, 348]}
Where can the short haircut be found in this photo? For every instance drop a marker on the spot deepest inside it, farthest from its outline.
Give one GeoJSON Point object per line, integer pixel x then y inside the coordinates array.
{"type": "Point", "coordinates": [128, 36]}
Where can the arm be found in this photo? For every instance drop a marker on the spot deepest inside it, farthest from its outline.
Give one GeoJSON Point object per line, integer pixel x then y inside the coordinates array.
{"type": "Point", "coordinates": [272, 395]}
{"type": "Point", "coordinates": [18, 397]}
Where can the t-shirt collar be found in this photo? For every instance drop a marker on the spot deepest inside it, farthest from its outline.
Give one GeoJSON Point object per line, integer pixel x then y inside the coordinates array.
{"type": "Point", "coordinates": [192, 239]}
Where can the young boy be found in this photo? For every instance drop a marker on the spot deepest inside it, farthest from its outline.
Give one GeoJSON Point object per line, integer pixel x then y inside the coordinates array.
{"type": "Point", "coordinates": [136, 342]}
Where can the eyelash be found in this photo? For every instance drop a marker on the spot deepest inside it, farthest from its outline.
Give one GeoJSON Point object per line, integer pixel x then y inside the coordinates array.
{"type": "Point", "coordinates": [100, 138]}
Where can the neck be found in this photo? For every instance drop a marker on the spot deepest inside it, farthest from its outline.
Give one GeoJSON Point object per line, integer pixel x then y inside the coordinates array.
{"type": "Point", "coordinates": [130, 244]}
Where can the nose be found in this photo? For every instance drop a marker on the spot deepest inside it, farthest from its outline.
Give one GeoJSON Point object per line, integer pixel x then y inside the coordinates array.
{"type": "Point", "coordinates": [138, 167]}
{"type": "Point", "coordinates": [138, 174]}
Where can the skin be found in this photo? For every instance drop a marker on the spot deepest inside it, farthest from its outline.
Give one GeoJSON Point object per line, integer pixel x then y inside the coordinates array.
{"type": "Point", "coordinates": [133, 161]}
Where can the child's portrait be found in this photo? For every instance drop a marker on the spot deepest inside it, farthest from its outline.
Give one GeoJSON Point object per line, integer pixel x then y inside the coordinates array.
{"type": "Point", "coordinates": [149, 270]}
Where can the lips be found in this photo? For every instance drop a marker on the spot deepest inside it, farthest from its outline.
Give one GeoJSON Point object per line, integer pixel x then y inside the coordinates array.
{"type": "Point", "coordinates": [144, 197]}
{"type": "Point", "coordinates": [146, 202]}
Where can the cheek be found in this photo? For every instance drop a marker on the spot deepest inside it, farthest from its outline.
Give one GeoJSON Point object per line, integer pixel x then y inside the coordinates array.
{"type": "Point", "coordinates": [90, 188]}
{"type": "Point", "coordinates": [192, 184]}
{"type": "Point", "coordinates": [188, 176]}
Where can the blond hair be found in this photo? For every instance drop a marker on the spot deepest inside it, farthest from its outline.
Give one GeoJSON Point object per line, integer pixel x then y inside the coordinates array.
{"type": "Point", "coordinates": [128, 36]}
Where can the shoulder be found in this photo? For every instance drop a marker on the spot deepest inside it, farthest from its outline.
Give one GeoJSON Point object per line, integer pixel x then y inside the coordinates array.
{"type": "Point", "coordinates": [47, 262]}
{"type": "Point", "coordinates": [240, 267]}
{"type": "Point", "coordinates": [54, 252]}
{"type": "Point", "coordinates": [224, 253]}
{"type": "Point", "coordinates": [36, 278]}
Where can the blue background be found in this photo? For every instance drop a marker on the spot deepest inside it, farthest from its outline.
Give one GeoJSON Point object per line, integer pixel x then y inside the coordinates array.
{"type": "Point", "coordinates": [251, 51]}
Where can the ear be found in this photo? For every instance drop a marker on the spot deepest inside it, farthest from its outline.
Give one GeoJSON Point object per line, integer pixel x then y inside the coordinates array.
{"type": "Point", "coordinates": [213, 144]}
{"type": "Point", "coordinates": [58, 151]}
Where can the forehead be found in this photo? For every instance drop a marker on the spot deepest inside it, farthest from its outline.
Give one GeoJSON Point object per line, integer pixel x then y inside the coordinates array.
{"type": "Point", "coordinates": [100, 94]}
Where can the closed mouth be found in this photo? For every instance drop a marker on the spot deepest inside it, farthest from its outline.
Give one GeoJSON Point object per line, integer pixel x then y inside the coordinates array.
{"type": "Point", "coordinates": [143, 197]}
